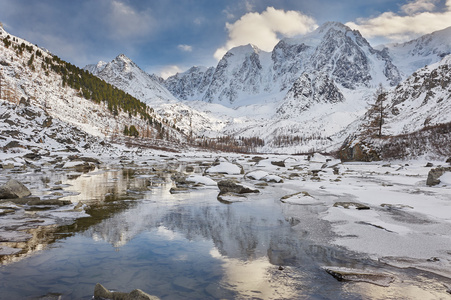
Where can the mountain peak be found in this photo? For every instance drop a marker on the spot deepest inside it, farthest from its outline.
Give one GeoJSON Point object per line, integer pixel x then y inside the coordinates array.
{"type": "Point", "coordinates": [123, 58]}
{"type": "Point", "coordinates": [333, 24]}
{"type": "Point", "coordinates": [244, 49]}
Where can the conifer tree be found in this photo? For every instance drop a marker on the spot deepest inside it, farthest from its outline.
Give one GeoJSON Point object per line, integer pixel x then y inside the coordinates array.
{"type": "Point", "coordinates": [377, 113]}
{"type": "Point", "coordinates": [133, 131]}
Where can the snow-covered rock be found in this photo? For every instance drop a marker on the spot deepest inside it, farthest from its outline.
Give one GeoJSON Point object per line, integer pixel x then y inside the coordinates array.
{"type": "Point", "coordinates": [225, 167]}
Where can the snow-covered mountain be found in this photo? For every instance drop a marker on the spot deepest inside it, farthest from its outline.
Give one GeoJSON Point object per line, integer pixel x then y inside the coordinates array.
{"type": "Point", "coordinates": [126, 75]}
{"type": "Point", "coordinates": [138, 83]}
{"type": "Point", "coordinates": [299, 97]}
{"type": "Point", "coordinates": [247, 75]}
{"type": "Point", "coordinates": [423, 99]}
{"type": "Point", "coordinates": [51, 89]}
{"type": "Point", "coordinates": [421, 52]}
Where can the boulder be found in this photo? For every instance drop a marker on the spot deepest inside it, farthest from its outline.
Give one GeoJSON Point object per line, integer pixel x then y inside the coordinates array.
{"type": "Point", "coordinates": [256, 159]}
{"type": "Point", "coordinates": [100, 292]}
{"type": "Point", "coordinates": [14, 189]}
{"type": "Point", "coordinates": [278, 163]}
{"type": "Point", "coordinates": [13, 144]}
{"type": "Point", "coordinates": [225, 167]}
{"type": "Point", "coordinates": [434, 175]}
{"type": "Point", "coordinates": [230, 186]}
{"type": "Point", "coordinates": [265, 176]}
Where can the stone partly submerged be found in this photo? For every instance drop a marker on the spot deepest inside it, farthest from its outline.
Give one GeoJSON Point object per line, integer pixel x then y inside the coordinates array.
{"type": "Point", "coordinates": [13, 189]}
{"type": "Point", "coordinates": [348, 274]}
{"type": "Point", "coordinates": [101, 293]}
{"type": "Point", "coordinates": [230, 186]}
{"type": "Point", "coordinates": [231, 191]}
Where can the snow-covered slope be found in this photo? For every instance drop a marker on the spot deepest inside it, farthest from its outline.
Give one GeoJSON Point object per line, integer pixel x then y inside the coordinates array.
{"type": "Point", "coordinates": [33, 75]}
{"type": "Point", "coordinates": [418, 53]}
{"type": "Point", "coordinates": [306, 91]}
{"type": "Point", "coordinates": [423, 99]}
{"type": "Point", "coordinates": [192, 84]}
{"type": "Point", "coordinates": [416, 118]}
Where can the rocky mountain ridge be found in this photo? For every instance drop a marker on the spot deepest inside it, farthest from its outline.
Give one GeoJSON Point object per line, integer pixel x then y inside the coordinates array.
{"type": "Point", "coordinates": [246, 72]}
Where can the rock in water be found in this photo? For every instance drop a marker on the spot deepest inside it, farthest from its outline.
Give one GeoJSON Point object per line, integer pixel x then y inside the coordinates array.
{"type": "Point", "coordinates": [14, 189]}
{"type": "Point", "coordinates": [229, 186]}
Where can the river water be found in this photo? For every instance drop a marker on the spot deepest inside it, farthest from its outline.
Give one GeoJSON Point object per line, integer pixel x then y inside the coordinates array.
{"type": "Point", "coordinates": [191, 246]}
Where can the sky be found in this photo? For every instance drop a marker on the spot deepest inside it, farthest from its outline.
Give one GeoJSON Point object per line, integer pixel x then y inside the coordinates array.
{"type": "Point", "coordinates": [168, 36]}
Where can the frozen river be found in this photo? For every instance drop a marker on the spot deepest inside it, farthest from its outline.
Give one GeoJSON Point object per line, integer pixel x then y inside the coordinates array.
{"type": "Point", "coordinates": [142, 226]}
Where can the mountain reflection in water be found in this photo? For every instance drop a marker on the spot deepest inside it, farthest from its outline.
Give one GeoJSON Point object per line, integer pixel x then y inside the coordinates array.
{"type": "Point", "coordinates": [188, 246]}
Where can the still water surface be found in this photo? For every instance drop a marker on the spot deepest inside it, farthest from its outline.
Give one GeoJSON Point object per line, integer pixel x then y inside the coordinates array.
{"type": "Point", "coordinates": [190, 246]}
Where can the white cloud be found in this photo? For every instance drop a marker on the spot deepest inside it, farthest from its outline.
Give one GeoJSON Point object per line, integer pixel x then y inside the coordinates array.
{"type": "Point", "coordinates": [185, 48]}
{"type": "Point", "coordinates": [418, 5]}
{"type": "Point", "coordinates": [263, 29]}
{"type": "Point", "coordinates": [125, 22]}
{"type": "Point", "coordinates": [168, 71]}
{"type": "Point", "coordinates": [419, 17]}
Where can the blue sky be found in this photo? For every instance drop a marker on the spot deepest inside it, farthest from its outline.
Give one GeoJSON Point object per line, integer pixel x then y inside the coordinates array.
{"type": "Point", "coordinates": [165, 36]}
